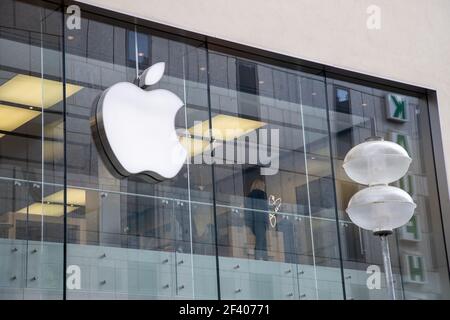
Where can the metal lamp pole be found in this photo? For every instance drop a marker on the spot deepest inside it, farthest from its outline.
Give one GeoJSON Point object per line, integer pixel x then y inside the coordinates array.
{"type": "Point", "coordinates": [384, 237]}
{"type": "Point", "coordinates": [387, 263]}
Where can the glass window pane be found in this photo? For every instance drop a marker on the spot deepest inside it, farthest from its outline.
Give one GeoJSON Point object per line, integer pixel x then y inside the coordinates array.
{"type": "Point", "coordinates": [275, 215]}
{"type": "Point", "coordinates": [155, 238]}
{"type": "Point", "coordinates": [416, 249]}
{"type": "Point", "coordinates": [31, 151]}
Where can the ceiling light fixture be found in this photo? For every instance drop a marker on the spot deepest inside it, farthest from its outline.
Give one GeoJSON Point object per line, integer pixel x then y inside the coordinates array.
{"type": "Point", "coordinates": [225, 128]}
{"type": "Point", "coordinates": [53, 205]}
{"type": "Point", "coordinates": [194, 146]}
{"type": "Point", "coordinates": [35, 91]}
{"type": "Point", "coordinates": [12, 118]}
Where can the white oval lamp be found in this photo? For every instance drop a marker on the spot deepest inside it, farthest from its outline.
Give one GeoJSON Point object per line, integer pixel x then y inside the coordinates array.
{"type": "Point", "coordinates": [376, 162]}
{"type": "Point", "coordinates": [381, 209]}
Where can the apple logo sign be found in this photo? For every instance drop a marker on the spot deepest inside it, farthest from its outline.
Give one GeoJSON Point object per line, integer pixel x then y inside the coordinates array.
{"type": "Point", "coordinates": [136, 128]}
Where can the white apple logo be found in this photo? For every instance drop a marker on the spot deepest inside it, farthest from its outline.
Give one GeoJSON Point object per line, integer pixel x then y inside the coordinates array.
{"type": "Point", "coordinates": [137, 127]}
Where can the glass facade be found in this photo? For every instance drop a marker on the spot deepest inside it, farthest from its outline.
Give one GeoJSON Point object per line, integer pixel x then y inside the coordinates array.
{"type": "Point", "coordinates": [228, 226]}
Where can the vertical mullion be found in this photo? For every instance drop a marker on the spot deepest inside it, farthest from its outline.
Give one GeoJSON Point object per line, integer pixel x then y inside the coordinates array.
{"type": "Point", "coordinates": [63, 36]}
{"type": "Point", "coordinates": [212, 171]}
{"type": "Point", "coordinates": [333, 173]}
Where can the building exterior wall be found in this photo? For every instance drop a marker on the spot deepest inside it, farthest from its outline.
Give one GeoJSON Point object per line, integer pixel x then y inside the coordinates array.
{"type": "Point", "coordinates": [412, 45]}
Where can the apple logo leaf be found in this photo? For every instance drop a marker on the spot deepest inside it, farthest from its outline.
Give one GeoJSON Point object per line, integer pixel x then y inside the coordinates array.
{"type": "Point", "coordinates": [152, 75]}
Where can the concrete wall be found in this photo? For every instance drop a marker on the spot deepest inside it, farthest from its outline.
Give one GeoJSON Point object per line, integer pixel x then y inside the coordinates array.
{"type": "Point", "coordinates": [412, 46]}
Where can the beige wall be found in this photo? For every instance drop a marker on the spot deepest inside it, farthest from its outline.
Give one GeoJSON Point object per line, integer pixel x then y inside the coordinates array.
{"type": "Point", "coordinates": [412, 46]}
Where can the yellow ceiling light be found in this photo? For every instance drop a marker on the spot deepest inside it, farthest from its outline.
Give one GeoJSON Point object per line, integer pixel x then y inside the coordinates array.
{"type": "Point", "coordinates": [226, 127]}
{"type": "Point", "coordinates": [52, 205]}
{"type": "Point", "coordinates": [11, 117]}
{"type": "Point", "coordinates": [194, 146]}
{"type": "Point", "coordinates": [46, 209]}
{"type": "Point", "coordinates": [75, 197]}
{"type": "Point", "coordinates": [30, 91]}
{"type": "Point", "coordinates": [35, 91]}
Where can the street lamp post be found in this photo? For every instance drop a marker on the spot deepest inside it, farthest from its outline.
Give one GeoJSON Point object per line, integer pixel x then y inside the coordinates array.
{"type": "Point", "coordinates": [379, 208]}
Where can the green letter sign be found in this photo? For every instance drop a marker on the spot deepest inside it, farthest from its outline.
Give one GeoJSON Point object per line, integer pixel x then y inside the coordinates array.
{"type": "Point", "coordinates": [396, 108]}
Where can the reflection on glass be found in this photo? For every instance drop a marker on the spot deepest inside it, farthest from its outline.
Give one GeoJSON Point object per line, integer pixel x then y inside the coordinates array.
{"type": "Point", "coordinates": [31, 93]}
{"type": "Point", "coordinates": [413, 260]}
{"type": "Point", "coordinates": [285, 230]}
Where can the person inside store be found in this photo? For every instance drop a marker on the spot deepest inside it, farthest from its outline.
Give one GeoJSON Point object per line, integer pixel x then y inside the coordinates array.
{"type": "Point", "coordinates": [256, 216]}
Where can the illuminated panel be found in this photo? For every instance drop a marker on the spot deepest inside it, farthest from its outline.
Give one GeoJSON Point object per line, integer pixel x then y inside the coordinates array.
{"type": "Point", "coordinates": [11, 117]}
{"type": "Point", "coordinates": [35, 91]}
{"type": "Point", "coordinates": [46, 209]}
{"type": "Point", "coordinates": [52, 205]}
{"type": "Point", "coordinates": [194, 146]}
{"type": "Point", "coordinates": [75, 197]}
{"type": "Point", "coordinates": [30, 91]}
{"type": "Point", "coordinates": [226, 127]}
